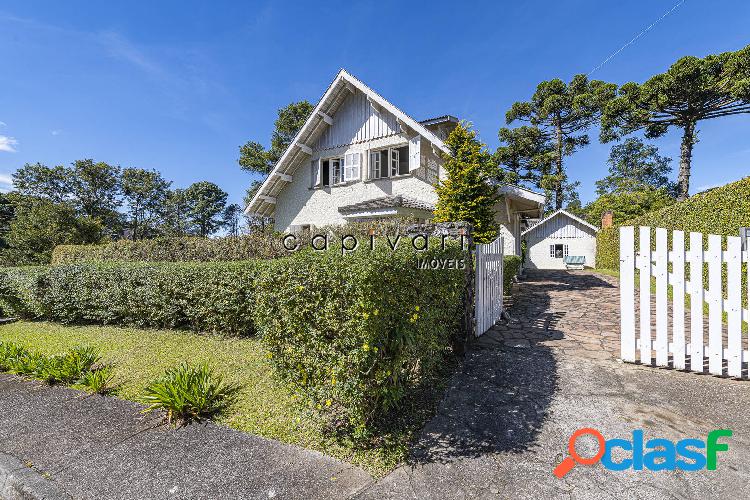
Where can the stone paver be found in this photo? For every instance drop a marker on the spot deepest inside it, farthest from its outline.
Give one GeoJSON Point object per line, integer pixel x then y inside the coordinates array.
{"type": "Point", "coordinates": [505, 421]}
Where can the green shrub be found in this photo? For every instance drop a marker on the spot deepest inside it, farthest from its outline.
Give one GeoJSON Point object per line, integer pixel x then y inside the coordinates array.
{"type": "Point", "coordinates": [608, 248]}
{"type": "Point", "coordinates": [98, 380]}
{"type": "Point", "coordinates": [723, 210]}
{"type": "Point", "coordinates": [177, 249]}
{"type": "Point", "coordinates": [511, 268]}
{"type": "Point", "coordinates": [352, 334]}
{"type": "Point", "coordinates": [216, 297]}
{"type": "Point", "coordinates": [67, 368]}
{"type": "Point", "coordinates": [189, 393]}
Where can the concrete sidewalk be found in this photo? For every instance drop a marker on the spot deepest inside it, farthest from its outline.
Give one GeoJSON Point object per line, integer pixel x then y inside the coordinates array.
{"type": "Point", "coordinates": [102, 447]}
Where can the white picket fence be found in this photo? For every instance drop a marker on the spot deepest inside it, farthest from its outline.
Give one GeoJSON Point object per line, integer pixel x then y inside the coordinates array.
{"type": "Point", "coordinates": [488, 300]}
{"type": "Point", "coordinates": [732, 347]}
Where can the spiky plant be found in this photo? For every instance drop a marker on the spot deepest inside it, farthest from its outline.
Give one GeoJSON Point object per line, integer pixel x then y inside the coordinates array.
{"type": "Point", "coordinates": [188, 393]}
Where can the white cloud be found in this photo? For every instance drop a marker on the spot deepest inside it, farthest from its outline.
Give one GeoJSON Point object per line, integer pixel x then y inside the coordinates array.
{"type": "Point", "coordinates": [6, 183]}
{"type": "Point", "coordinates": [56, 132]}
{"type": "Point", "coordinates": [3, 124]}
{"type": "Point", "coordinates": [7, 143]}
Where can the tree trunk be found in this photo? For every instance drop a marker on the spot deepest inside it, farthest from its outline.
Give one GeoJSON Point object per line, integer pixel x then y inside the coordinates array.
{"type": "Point", "coordinates": [686, 155]}
{"type": "Point", "coordinates": [559, 168]}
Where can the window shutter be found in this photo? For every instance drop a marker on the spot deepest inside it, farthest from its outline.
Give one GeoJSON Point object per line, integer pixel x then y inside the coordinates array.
{"type": "Point", "coordinates": [365, 165]}
{"type": "Point", "coordinates": [414, 153]}
{"type": "Point", "coordinates": [565, 249]}
{"type": "Point", "coordinates": [552, 251]}
{"type": "Point", "coordinates": [357, 169]}
{"type": "Point", "coordinates": [315, 173]}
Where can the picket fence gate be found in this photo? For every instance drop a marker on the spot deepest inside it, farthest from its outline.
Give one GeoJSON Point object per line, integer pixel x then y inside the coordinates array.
{"type": "Point", "coordinates": [488, 300]}
{"type": "Point", "coordinates": [731, 348]}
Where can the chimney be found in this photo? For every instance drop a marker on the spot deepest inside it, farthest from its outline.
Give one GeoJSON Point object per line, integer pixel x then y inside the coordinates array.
{"type": "Point", "coordinates": [607, 219]}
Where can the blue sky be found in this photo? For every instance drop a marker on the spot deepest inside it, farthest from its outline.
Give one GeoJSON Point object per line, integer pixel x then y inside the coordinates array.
{"type": "Point", "coordinates": [177, 86]}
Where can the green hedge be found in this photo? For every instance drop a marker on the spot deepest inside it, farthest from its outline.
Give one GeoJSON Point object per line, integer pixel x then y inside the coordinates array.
{"type": "Point", "coordinates": [723, 210]}
{"type": "Point", "coordinates": [351, 334]}
{"type": "Point", "coordinates": [608, 248]}
{"type": "Point", "coordinates": [511, 268]}
{"type": "Point", "coordinates": [214, 297]}
{"type": "Point", "coordinates": [184, 249]}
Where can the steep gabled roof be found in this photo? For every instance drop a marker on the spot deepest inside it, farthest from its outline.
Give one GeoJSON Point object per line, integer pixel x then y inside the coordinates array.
{"type": "Point", "coordinates": [263, 203]}
{"type": "Point", "coordinates": [561, 212]}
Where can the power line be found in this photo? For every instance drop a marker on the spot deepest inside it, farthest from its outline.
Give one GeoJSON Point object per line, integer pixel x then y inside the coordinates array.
{"type": "Point", "coordinates": [631, 42]}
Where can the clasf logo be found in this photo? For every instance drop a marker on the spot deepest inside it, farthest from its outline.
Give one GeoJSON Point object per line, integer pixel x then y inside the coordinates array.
{"type": "Point", "coordinates": [654, 455]}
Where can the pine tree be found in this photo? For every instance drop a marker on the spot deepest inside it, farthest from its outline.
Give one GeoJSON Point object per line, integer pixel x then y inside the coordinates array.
{"type": "Point", "coordinates": [466, 193]}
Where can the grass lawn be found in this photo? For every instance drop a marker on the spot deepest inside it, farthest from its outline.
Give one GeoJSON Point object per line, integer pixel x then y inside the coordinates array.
{"type": "Point", "coordinates": [265, 407]}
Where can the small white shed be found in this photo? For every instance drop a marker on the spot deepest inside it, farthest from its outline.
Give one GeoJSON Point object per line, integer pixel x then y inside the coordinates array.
{"type": "Point", "coordinates": [557, 236]}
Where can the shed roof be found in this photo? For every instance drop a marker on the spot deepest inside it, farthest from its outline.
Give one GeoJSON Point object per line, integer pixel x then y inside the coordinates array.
{"type": "Point", "coordinates": [557, 213]}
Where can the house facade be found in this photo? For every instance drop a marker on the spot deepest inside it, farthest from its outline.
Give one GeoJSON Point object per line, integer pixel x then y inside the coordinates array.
{"type": "Point", "coordinates": [358, 157]}
{"type": "Point", "coordinates": [560, 235]}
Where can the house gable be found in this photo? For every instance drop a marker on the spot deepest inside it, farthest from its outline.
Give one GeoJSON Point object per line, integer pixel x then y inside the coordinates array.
{"type": "Point", "coordinates": [357, 121]}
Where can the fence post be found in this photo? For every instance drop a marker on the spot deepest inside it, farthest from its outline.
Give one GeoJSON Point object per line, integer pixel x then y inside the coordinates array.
{"type": "Point", "coordinates": [696, 302]}
{"type": "Point", "coordinates": [662, 341]}
{"type": "Point", "coordinates": [644, 286]}
{"type": "Point", "coordinates": [715, 299]}
{"type": "Point", "coordinates": [627, 294]}
{"type": "Point", "coordinates": [734, 303]}
{"type": "Point", "coordinates": [678, 299]}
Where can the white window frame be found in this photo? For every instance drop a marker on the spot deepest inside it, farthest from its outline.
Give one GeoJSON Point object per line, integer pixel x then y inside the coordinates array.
{"type": "Point", "coordinates": [393, 159]}
{"type": "Point", "coordinates": [376, 169]}
{"type": "Point", "coordinates": [552, 250]}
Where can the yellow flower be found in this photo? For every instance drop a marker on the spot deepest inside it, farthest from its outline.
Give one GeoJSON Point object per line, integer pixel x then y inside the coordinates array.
{"type": "Point", "coordinates": [366, 315]}
{"type": "Point", "coordinates": [328, 402]}
{"type": "Point", "coordinates": [318, 406]}
{"type": "Point", "coordinates": [375, 312]}
{"type": "Point", "coordinates": [416, 308]}
{"type": "Point", "coordinates": [333, 381]}
{"type": "Point", "coordinates": [366, 347]}
{"type": "Point", "coordinates": [375, 349]}
{"type": "Point", "coordinates": [300, 288]}
{"type": "Point", "coordinates": [269, 355]}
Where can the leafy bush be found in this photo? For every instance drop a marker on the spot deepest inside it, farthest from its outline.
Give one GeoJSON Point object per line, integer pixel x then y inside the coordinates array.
{"type": "Point", "coordinates": [723, 210]}
{"type": "Point", "coordinates": [71, 367]}
{"type": "Point", "coordinates": [608, 248]}
{"type": "Point", "coordinates": [189, 393]}
{"type": "Point", "coordinates": [352, 334]}
{"type": "Point", "coordinates": [263, 245]}
{"type": "Point", "coordinates": [215, 297]}
{"type": "Point", "coordinates": [176, 249]}
{"type": "Point", "coordinates": [98, 381]}
{"type": "Point", "coordinates": [511, 268]}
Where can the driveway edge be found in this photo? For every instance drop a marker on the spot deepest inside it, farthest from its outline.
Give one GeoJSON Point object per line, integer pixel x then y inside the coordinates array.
{"type": "Point", "coordinates": [20, 482]}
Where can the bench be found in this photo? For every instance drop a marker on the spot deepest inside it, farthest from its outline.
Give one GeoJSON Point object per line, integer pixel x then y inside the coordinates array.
{"type": "Point", "coordinates": [574, 261]}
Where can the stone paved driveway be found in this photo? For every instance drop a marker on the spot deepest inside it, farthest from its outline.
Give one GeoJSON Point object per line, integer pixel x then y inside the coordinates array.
{"type": "Point", "coordinates": [505, 421]}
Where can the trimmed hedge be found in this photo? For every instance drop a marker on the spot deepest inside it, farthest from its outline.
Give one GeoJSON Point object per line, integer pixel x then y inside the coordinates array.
{"type": "Point", "coordinates": [352, 334]}
{"type": "Point", "coordinates": [608, 248]}
{"type": "Point", "coordinates": [511, 268]}
{"type": "Point", "coordinates": [178, 249]}
{"type": "Point", "coordinates": [723, 210]}
{"type": "Point", "coordinates": [215, 297]}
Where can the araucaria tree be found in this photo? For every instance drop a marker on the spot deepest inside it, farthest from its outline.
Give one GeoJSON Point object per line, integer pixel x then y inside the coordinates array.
{"type": "Point", "coordinates": [466, 193]}
{"type": "Point", "coordinates": [562, 113]}
{"type": "Point", "coordinates": [691, 90]}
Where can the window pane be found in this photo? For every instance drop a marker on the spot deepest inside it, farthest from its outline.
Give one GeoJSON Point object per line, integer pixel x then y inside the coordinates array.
{"type": "Point", "coordinates": [394, 161]}
{"type": "Point", "coordinates": [326, 173]}
{"type": "Point", "coordinates": [384, 163]}
{"type": "Point", "coordinates": [403, 160]}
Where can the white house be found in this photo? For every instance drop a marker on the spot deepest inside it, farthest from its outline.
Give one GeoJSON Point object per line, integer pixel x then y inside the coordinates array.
{"type": "Point", "coordinates": [560, 235]}
{"type": "Point", "coordinates": [359, 157]}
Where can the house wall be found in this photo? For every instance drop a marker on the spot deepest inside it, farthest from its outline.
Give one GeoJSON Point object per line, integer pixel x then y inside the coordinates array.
{"type": "Point", "coordinates": [300, 204]}
{"type": "Point", "coordinates": [508, 228]}
{"type": "Point", "coordinates": [581, 240]}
